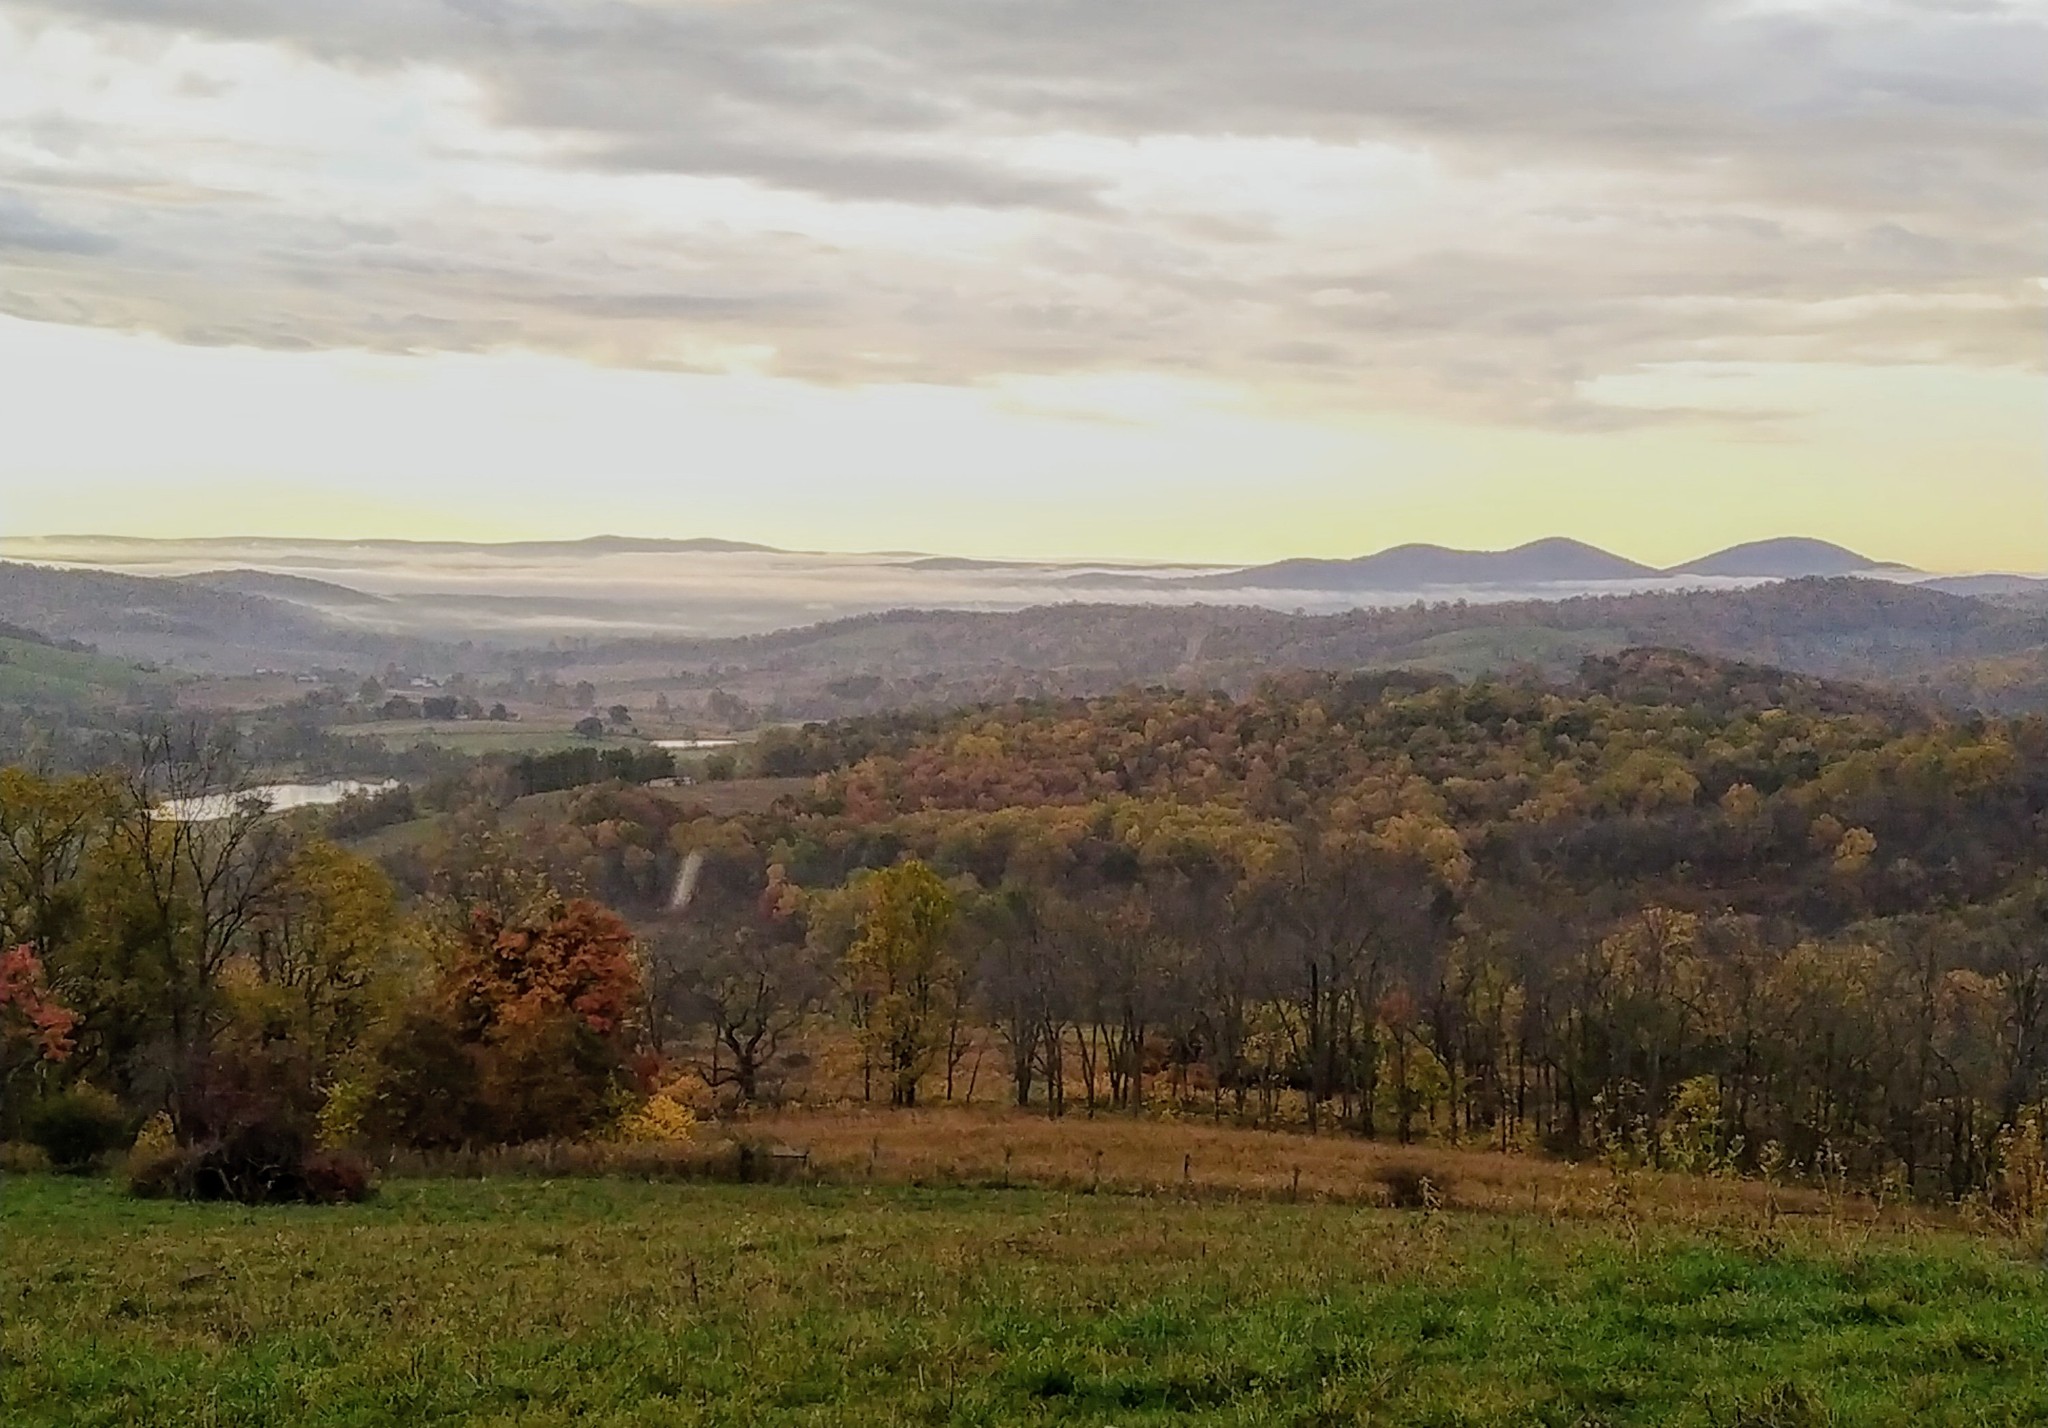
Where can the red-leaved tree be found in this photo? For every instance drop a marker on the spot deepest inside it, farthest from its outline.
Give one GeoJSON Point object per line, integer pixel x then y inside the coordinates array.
{"type": "Point", "coordinates": [34, 1025]}
{"type": "Point", "coordinates": [35, 1028]}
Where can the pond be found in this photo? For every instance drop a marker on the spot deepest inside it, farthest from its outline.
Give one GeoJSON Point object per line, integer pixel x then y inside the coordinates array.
{"type": "Point", "coordinates": [275, 797]}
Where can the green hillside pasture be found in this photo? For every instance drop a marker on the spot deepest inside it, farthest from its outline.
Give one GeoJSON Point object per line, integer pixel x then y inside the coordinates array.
{"type": "Point", "coordinates": [614, 1302]}
{"type": "Point", "coordinates": [1469, 654]}
{"type": "Point", "coordinates": [40, 674]}
{"type": "Point", "coordinates": [480, 736]}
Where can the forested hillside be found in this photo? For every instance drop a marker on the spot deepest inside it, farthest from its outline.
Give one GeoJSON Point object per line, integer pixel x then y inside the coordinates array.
{"type": "Point", "coordinates": [1946, 646]}
{"type": "Point", "coordinates": [1708, 910]}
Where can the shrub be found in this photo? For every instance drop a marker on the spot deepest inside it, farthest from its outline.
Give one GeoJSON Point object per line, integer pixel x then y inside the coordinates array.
{"type": "Point", "coordinates": [247, 1123]}
{"type": "Point", "coordinates": [345, 1113]}
{"type": "Point", "coordinates": [250, 1174]}
{"type": "Point", "coordinates": [1694, 1138]}
{"type": "Point", "coordinates": [156, 1172]}
{"type": "Point", "coordinates": [157, 1135]}
{"type": "Point", "coordinates": [1410, 1187]}
{"type": "Point", "coordinates": [258, 1162]}
{"type": "Point", "coordinates": [20, 1158]}
{"type": "Point", "coordinates": [337, 1177]}
{"type": "Point", "coordinates": [755, 1162]}
{"type": "Point", "coordinates": [79, 1128]}
{"type": "Point", "coordinates": [662, 1119]}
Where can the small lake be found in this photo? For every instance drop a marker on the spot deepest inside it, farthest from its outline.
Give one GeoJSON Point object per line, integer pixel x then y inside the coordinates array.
{"type": "Point", "coordinates": [275, 797]}
{"type": "Point", "coordinates": [684, 744]}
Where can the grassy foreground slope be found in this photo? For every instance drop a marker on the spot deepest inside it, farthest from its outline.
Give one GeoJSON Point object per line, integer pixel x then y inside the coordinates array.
{"type": "Point", "coordinates": [515, 1301]}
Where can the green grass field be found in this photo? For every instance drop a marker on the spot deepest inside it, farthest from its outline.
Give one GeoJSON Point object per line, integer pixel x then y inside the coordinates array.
{"type": "Point", "coordinates": [1471, 654]}
{"type": "Point", "coordinates": [38, 672]}
{"type": "Point", "coordinates": [469, 737]}
{"type": "Point", "coordinates": [613, 1302]}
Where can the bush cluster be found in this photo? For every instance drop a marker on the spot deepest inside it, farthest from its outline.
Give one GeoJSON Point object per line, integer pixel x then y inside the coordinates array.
{"type": "Point", "coordinates": [247, 1131]}
{"type": "Point", "coordinates": [79, 1128]}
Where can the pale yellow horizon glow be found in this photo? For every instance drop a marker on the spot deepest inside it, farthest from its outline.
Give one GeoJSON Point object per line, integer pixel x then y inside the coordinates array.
{"type": "Point", "coordinates": [118, 434]}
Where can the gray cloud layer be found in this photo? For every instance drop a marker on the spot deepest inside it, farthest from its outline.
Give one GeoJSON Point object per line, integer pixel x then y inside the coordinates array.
{"type": "Point", "coordinates": [1610, 185]}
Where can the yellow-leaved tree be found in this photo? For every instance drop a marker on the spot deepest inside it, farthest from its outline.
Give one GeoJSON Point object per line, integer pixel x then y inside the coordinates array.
{"type": "Point", "coordinates": [901, 973]}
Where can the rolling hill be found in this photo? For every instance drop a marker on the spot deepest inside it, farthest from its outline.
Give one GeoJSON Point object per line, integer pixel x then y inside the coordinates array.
{"type": "Point", "coordinates": [1787, 558]}
{"type": "Point", "coordinates": [299, 589]}
{"type": "Point", "coordinates": [193, 625]}
{"type": "Point", "coordinates": [1870, 630]}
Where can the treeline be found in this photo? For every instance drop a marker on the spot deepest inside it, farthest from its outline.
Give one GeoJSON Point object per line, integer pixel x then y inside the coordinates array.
{"type": "Point", "coordinates": [576, 767]}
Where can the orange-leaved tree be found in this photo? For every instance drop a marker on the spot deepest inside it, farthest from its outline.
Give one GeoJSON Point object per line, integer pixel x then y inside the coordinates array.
{"type": "Point", "coordinates": [527, 1036]}
{"type": "Point", "coordinates": [547, 1005]}
{"type": "Point", "coordinates": [576, 960]}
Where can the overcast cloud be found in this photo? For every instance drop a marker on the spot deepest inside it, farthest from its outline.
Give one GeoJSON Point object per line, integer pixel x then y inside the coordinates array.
{"type": "Point", "coordinates": [1483, 209]}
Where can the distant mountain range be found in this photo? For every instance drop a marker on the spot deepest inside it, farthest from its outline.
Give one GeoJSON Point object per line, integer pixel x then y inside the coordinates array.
{"type": "Point", "coordinates": [1406, 567]}
{"type": "Point", "coordinates": [1556, 561]}
{"type": "Point", "coordinates": [97, 549]}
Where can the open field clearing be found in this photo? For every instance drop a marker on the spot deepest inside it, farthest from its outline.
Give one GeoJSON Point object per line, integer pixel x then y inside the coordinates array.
{"type": "Point", "coordinates": [1193, 1160]}
{"type": "Point", "coordinates": [522, 1301]}
{"type": "Point", "coordinates": [31, 671]}
{"type": "Point", "coordinates": [468, 736]}
{"type": "Point", "coordinates": [722, 797]}
{"type": "Point", "coordinates": [1193, 1157]}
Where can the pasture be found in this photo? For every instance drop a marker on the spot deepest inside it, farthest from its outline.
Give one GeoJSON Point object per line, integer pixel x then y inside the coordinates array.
{"type": "Point", "coordinates": [39, 673]}
{"type": "Point", "coordinates": [466, 736]}
{"type": "Point", "coordinates": [521, 1299]}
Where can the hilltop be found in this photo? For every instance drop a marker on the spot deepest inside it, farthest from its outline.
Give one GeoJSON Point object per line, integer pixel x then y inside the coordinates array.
{"type": "Point", "coordinates": [299, 589]}
{"type": "Point", "coordinates": [1787, 558]}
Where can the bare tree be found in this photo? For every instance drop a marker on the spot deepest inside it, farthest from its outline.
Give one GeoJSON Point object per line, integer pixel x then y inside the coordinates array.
{"type": "Point", "coordinates": [727, 956]}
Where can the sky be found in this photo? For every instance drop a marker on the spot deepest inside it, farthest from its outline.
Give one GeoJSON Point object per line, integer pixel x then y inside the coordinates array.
{"type": "Point", "coordinates": [1191, 281]}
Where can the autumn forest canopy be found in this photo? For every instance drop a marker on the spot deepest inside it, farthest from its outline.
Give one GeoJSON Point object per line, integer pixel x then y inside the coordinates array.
{"type": "Point", "coordinates": [1680, 911]}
